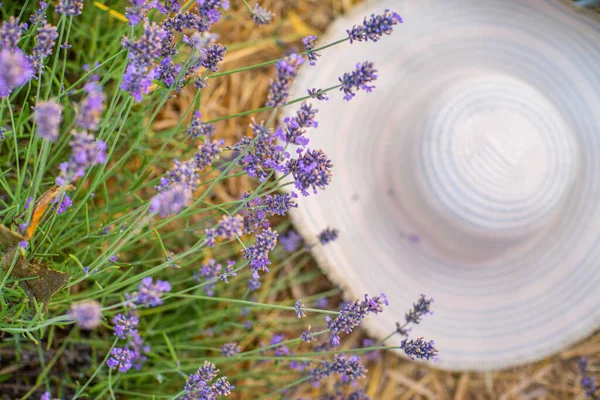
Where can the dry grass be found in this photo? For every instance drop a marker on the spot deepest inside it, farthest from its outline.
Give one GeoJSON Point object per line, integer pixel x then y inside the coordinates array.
{"type": "Point", "coordinates": [389, 377]}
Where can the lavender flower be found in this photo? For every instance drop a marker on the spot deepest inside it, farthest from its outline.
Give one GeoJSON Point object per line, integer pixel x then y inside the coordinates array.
{"type": "Point", "coordinates": [291, 241]}
{"type": "Point", "coordinates": [312, 169]}
{"type": "Point", "coordinates": [23, 244]}
{"type": "Point", "coordinates": [86, 151]}
{"type": "Point", "coordinates": [149, 294]}
{"type": "Point", "coordinates": [198, 128]}
{"type": "Point", "coordinates": [213, 56]}
{"type": "Point", "coordinates": [207, 154]}
{"type": "Point", "coordinates": [266, 153]}
{"type": "Point", "coordinates": [587, 383]}
{"type": "Point", "coordinates": [209, 271]}
{"type": "Point", "coordinates": [358, 79]}
{"type": "Point", "coordinates": [352, 314]}
{"type": "Point", "coordinates": [121, 359]}
{"type": "Point", "coordinates": [298, 307]}
{"type": "Point", "coordinates": [167, 71]}
{"type": "Point", "coordinates": [309, 45]}
{"type": "Point", "coordinates": [257, 210]}
{"type": "Point", "coordinates": [260, 16]}
{"type": "Point", "coordinates": [375, 27]}
{"type": "Point", "coordinates": [125, 325]}
{"type": "Point", "coordinates": [229, 272]}
{"type": "Point", "coordinates": [318, 94]}
{"type": "Point", "coordinates": [184, 174]}
{"type": "Point", "coordinates": [248, 325]}
{"type": "Point", "coordinates": [113, 258]}
{"type": "Point", "coordinates": [10, 33]}
{"type": "Point", "coordinates": [349, 369]}
{"type": "Point", "coordinates": [171, 201]}
{"type": "Point", "coordinates": [70, 8]}
{"type": "Point", "coordinates": [328, 235]}
{"type": "Point", "coordinates": [38, 17]}
{"type": "Point", "coordinates": [198, 384]}
{"type": "Point", "coordinates": [139, 9]}
{"type": "Point", "coordinates": [253, 283]}
{"type": "Point", "coordinates": [48, 115]}
{"type": "Point", "coordinates": [222, 387]}
{"type": "Point", "coordinates": [281, 350]}
{"type": "Point", "coordinates": [209, 9]}
{"type": "Point", "coordinates": [322, 303]}
{"type": "Point", "coordinates": [15, 70]}
{"type": "Point", "coordinates": [258, 253]}
{"type": "Point", "coordinates": [295, 127]}
{"type": "Point", "coordinates": [230, 349]}
{"type": "Point", "coordinates": [87, 314]}
{"type": "Point", "coordinates": [307, 336]}
{"type": "Point", "coordinates": [137, 81]}
{"type": "Point", "coordinates": [46, 396]}
{"type": "Point", "coordinates": [64, 205]}
{"type": "Point", "coordinates": [139, 349]}
{"type": "Point", "coordinates": [420, 349]}
{"type": "Point", "coordinates": [421, 308]}
{"type": "Point", "coordinates": [148, 47]}
{"type": "Point", "coordinates": [45, 41]}
{"type": "Point", "coordinates": [287, 70]}
{"type": "Point", "coordinates": [228, 228]}
{"type": "Point", "coordinates": [92, 106]}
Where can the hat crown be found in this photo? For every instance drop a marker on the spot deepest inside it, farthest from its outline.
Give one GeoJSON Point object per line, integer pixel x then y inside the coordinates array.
{"type": "Point", "coordinates": [493, 165]}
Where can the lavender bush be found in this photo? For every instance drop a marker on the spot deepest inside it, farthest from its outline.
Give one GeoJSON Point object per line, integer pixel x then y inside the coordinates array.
{"type": "Point", "coordinates": [89, 290]}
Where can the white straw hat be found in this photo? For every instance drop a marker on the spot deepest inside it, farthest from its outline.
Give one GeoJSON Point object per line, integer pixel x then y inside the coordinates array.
{"type": "Point", "coordinates": [482, 138]}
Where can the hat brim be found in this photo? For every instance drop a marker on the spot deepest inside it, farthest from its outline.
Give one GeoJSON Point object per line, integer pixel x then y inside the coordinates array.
{"type": "Point", "coordinates": [495, 314]}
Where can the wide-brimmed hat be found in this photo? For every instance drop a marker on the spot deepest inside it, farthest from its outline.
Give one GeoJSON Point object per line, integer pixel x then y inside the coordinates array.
{"type": "Point", "coordinates": [470, 174]}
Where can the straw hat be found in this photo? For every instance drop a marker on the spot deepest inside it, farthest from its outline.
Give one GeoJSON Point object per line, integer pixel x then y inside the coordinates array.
{"type": "Point", "coordinates": [471, 174]}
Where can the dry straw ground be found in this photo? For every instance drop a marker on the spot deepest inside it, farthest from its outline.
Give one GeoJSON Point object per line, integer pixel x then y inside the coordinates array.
{"type": "Point", "coordinates": [389, 377]}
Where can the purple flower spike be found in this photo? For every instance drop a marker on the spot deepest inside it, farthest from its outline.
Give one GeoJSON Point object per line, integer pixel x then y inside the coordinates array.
{"type": "Point", "coordinates": [137, 81]}
{"type": "Point", "coordinates": [291, 241]}
{"type": "Point", "coordinates": [149, 294]}
{"type": "Point", "coordinates": [352, 314]}
{"type": "Point", "coordinates": [15, 70]}
{"type": "Point", "coordinates": [91, 107]}
{"type": "Point", "coordinates": [48, 116]}
{"type": "Point", "coordinates": [167, 71]}
{"type": "Point", "coordinates": [230, 349]}
{"type": "Point", "coordinates": [260, 16]}
{"type": "Point", "coordinates": [287, 70]}
{"type": "Point", "coordinates": [213, 56]}
{"type": "Point", "coordinates": [312, 169]}
{"type": "Point", "coordinates": [222, 387]}
{"type": "Point", "coordinates": [87, 314]}
{"type": "Point", "coordinates": [45, 41]}
{"type": "Point", "coordinates": [328, 235]}
{"type": "Point", "coordinates": [298, 307]}
{"type": "Point", "coordinates": [86, 151]}
{"type": "Point", "coordinates": [309, 45]}
{"type": "Point", "coordinates": [125, 325]}
{"type": "Point", "coordinates": [171, 201]}
{"type": "Point", "coordinates": [121, 359]}
{"type": "Point", "coordinates": [70, 8]}
{"type": "Point", "coordinates": [198, 128]}
{"type": "Point", "coordinates": [64, 205]}
{"type": "Point", "coordinates": [374, 27]}
{"type": "Point", "coordinates": [307, 336]}
{"type": "Point", "coordinates": [10, 33]}
{"type": "Point", "coordinates": [358, 79]}
{"type": "Point", "coordinates": [317, 94]}
{"type": "Point", "coordinates": [419, 348]}
{"type": "Point", "coordinates": [258, 253]}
